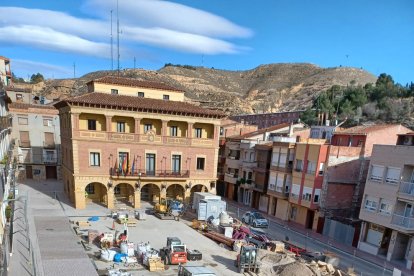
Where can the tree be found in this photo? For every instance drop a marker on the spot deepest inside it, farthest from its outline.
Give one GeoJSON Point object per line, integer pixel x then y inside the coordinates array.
{"type": "Point", "coordinates": [17, 79]}
{"type": "Point", "coordinates": [309, 117]}
{"type": "Point", "coordinates": [36, 78]}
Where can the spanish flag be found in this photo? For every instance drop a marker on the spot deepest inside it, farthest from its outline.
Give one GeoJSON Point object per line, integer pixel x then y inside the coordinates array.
{"type": "Point", "coordinates": [115, 169]}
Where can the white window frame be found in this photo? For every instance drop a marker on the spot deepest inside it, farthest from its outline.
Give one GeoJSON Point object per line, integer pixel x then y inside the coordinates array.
{"type": "Point", "coordinates": [198, 132]}
{"type": "Point", "coordinates": [120, 126]}
{"type": "Point", "coordinates": [94, 159]}
{"type": "Point", "coordinates": [147, 127]}
{"type": "Point", "coordinates": [370, 204]}
{"type": "Point", "coordinates": [388, 207]}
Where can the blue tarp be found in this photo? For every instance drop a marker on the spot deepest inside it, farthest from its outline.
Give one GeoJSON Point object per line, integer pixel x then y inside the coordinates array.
{"type": "Point", "coordinates": [93, 219]}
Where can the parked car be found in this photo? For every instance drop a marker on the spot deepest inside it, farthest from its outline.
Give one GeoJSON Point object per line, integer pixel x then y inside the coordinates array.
{"type": "Point", "coordinates": [255, 219]}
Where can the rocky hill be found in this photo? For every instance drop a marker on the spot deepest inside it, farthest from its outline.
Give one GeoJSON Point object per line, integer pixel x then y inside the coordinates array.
{"type": "Point", "coordinates": [272, 87]}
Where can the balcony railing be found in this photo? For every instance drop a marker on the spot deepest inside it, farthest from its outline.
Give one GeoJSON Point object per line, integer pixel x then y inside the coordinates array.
{"type": "Point", "coordinates": [143, 138]}
{"type": "Point", "coordinates": [50, 160]}
{"type": "Point", "coordinates": [403, 221]}
{"type": "Point", "coordinates": [406, 188]}
{"type": "Point", "coordinates": [145, 174]}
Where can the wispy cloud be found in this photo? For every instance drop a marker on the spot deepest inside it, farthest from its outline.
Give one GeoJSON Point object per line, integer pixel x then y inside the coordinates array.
{"type": "Point", "coordinates": [168, 15]}
{"type": "Point", "coordinates": [47, 38]}
{"type": "Point", "coordinates": [144, 22]}
{"type": "Point", "coordinates": [49, 70]}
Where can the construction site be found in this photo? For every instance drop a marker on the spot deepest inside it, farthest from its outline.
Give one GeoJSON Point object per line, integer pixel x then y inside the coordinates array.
{"type": "Point", "coordinates": [169, 238]}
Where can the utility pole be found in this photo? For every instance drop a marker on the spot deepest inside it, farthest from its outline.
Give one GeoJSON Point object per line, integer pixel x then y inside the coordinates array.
{"type": "Point", "coordinates": [112, 46]}
{"type": "Point", "coordinates": [117, 32]}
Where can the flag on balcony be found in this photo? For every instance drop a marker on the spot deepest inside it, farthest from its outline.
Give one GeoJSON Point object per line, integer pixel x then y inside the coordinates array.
{"type": "Point", "coordinates": [124, 165]}
{"type": "Point", "coordinates": [133, 166]}
{"type": "Point", "coordinates": [121, 160]}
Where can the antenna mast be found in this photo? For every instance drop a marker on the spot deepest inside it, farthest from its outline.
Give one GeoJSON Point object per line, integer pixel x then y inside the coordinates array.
{"type": "Point", "coordinates": [112, 46]}
{"type": "Point", "coordinates": [117, 32]}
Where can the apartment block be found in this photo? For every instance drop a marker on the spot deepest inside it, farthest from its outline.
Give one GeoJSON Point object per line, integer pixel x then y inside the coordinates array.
{"type": "Point", "coordinates": [128, 141]}
{"type": "Point", "coordinates": [243, 165]}
{"type": "Point", "coordinates": [36, 128]}
{"type": "Point", "coordinates": [228, 128]}
{"type": "Point", "coordinates": [388, 202]}
{"type": "Point", "coordinates": [347, 167]}
{"type": "Point", "coordinates": [307, 177]}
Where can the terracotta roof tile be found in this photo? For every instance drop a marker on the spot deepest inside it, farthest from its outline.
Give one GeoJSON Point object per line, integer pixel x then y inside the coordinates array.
{"type": "Point", "coordinates": [135, 83]}
{"type": "Point", "coordinates": [18, 89]}
{"type": "Point", "coordinates": [27, 106]}
{"type": "Point", "coordinates": [139, 104]}
{"type": "Point", "coordinates": [260, 131]}
{"type": "Point", "coordinates": [363, 129]}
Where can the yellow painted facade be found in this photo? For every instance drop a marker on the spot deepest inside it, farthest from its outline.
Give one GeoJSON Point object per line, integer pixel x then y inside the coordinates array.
{"type": "Point", "coordinates": [133, 91]}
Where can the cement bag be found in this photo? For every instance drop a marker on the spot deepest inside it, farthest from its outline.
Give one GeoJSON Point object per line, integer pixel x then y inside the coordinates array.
{"type": "Point", "coordinates": [215, 222]}
{"type": "Point", "coordinates": [107, 255]}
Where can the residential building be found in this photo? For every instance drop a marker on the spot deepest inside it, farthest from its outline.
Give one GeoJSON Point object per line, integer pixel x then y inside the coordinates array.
{"type": "Point", "coordinates": [228, 128]}
{"type": "Point", "coordinates": [36, 128]}
{"type": "Point", "coordinates": [241, 157]}
{"type": "Point", "coordinates": [265, 120]}
{"type": "Point", "coordinates": [126, 141]}
{"type": "Point", "coordinates": [388, 202]}
{"type": "Point", "coordinates": [5, 71]}
{"type": "Point", "coordinates": [280, 179]}
{"type": "Point", "coordinates": [345, 176]}
{"type": "Point", "coordinates": [307, 178]}
{"type": "Point", "coordinates": [19, 94]}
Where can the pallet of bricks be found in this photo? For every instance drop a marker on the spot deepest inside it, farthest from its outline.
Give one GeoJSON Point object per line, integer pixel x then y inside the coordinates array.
{"type": "Point", "coordinates": [155, 264]}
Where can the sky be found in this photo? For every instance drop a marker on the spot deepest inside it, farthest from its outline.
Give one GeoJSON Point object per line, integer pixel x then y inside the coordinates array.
{"type": "Point", "coordinates": [62, 39]}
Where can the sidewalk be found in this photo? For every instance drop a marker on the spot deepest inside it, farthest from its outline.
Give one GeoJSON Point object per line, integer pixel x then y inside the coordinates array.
{"type": "Point", "coordinates": [379, 261]}
{"type": "Point", "coordinates": [55, 246]}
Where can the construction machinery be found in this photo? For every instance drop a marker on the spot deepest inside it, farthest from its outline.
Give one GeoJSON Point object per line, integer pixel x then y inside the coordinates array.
{"type": "Point", "coordinates": [247, 259]}
{"type": "Point", "coordinates": [175, 252]}
{"type": "Point", "coordinates": [169, 209]}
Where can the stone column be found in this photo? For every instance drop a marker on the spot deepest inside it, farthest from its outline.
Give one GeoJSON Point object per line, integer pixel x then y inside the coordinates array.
{"type": "Point", "coordinates": [410, 256]}
{"type": "Point", "coordinates": [163, 193]}
{"type": "Point", "coordinates": [137, 199]}
{"type": "Point", "coordinates": [190, 130]}
{"type": "Point", "coordinates": [110, 197]}
{"type": "Point", "coordinates": [75, 121]}
{"type": "Point", "coordinates": [187, 195]}
{"type": "Point", "coordinates": [164, 128]}
{"type": "Point", "coordinates": [137, 125]}
{"type": "Point", "coordinates": [80, 200]}
{"type": "Point", "coordinates": [391, 246]}
{"type": "Point", "coordinates": [216, 132]}
{"type": "Point", "coordinates": [108, 123]}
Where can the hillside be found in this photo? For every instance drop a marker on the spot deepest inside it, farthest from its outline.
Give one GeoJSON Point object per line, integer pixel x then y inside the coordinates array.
{"type": "Point", "coordinates": [272, 87]}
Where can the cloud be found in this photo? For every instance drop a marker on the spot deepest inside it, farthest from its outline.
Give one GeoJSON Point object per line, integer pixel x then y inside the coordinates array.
{"type": "Point", "coordinates": [47, 38]}
{"type": "Point", "coordinates": [168, 15]}
{"type": "Point", "coordinates": [152, 23]}
{"type": "Point", "coordinates": [24, 67]}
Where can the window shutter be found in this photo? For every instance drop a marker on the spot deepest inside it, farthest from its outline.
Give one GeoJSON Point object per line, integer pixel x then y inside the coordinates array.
{"type": "Point", "coordinates": [393, 174]}
{"type": "Point", "coordinates": [377, 172]}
